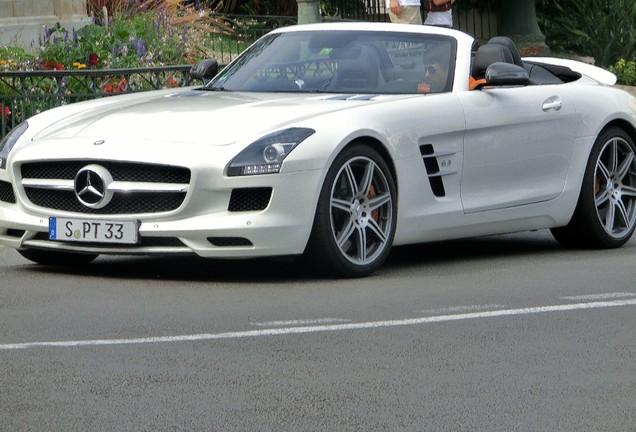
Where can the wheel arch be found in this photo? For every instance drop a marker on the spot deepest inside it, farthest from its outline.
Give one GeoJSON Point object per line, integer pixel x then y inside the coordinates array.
{"type": "Point", "coordinates": [622, 124]}
{"type": "Point", "coordinates": [378, 146]}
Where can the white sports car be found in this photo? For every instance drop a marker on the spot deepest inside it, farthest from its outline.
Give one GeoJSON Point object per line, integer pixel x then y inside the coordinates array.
{"type": "Point", "coordinates": [332, 142]}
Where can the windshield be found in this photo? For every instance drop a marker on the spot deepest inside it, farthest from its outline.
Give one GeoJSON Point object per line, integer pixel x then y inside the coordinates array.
{"type": "Point", "coordinates": [343, 62]}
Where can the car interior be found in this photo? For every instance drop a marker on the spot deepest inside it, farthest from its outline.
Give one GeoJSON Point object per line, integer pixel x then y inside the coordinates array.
{"type": "Point", "coordinates": [392, 66]}
{"type": "Point", "coordinates": [503, 49]}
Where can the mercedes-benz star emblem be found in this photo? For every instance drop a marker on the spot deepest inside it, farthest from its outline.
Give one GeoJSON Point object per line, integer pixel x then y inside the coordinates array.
{"type": "Point", "coordinates": [91, 186]}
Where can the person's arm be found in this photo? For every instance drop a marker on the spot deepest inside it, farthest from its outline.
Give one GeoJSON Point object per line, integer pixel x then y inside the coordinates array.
{"type": "Point", "coordinates": [394, 6]}
{"type": "Point", "coordinates": [442, 2]}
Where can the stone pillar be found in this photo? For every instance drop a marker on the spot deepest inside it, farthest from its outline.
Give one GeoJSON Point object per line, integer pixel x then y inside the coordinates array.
{"type": "Point", "coordinates": [23, 21]}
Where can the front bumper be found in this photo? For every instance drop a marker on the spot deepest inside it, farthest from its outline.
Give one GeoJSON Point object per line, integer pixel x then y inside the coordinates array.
{"type": "Point", "coordinates": [202, 225]}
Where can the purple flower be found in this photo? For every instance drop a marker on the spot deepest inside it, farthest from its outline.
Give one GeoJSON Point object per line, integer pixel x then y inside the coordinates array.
{"type": "Point", "coordinates": [141, 48]}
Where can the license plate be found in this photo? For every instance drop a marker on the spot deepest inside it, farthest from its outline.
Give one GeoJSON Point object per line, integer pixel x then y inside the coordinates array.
{"type": "Point", "coordinates": [92, 230]}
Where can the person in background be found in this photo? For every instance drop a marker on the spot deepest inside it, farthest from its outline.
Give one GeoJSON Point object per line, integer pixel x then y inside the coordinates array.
{"type": "Point", "coordinates": [405, 11]}
{"type": "Point", "coordinates": [439, 13]}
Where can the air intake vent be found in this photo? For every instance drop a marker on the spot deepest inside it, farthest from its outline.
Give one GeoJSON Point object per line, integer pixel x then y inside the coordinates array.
{"type": "Point", "coordinates": [250, 199]}
{"type": "Point", "coordinates": [229, 241]}
{"type": "Point", "coordinates": [435, 174]}
{"type": "Point", "coordinates": [6, 192]}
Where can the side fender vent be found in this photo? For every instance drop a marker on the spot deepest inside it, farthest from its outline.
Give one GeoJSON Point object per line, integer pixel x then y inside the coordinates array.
{"type": "Point", "coordinates": [433, 170]}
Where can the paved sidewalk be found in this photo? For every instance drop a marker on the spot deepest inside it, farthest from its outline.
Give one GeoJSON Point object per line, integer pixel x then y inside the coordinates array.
{"type": "Point", "coordinates": [630, 89]}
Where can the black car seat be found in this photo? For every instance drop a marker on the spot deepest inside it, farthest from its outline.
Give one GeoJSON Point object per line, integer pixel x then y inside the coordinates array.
{"type": "Point", "coordinates": [357, 69]}
{"type": "Point", "coordinates": [508, 43]}
{"type": "Point", "coordinates": [537, 73]}
{"type": "Point", "coordinates": [487, 55]}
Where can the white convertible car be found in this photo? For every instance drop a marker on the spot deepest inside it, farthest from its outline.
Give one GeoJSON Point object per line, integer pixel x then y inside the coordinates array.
{"type": "Point", "coordinates": [332, 142]}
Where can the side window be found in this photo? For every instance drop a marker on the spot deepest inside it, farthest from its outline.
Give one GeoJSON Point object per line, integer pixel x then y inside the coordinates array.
{"type": "Point", "coordinates": [428, 64]}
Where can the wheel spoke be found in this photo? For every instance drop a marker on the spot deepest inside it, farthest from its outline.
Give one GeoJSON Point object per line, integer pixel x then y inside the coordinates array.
{"type": "Point", "coordinates": [367, 179]}
{"type": "Point", "coordinates": [347, 230]}
{"type": "Point", "coordinates": [609, 218]}
{"type": "Point", "coordinates": [624, 167]}
{"type": "Point", "coordinates": [340, 204]}
{"type": "Point", "coordinates": [351, 179]}
{"type": "Point", "coordinates": [362, 245]}
{"type": "Point", "coordinates": [628, 191]}
{"type": "Point", "coordinates": [377, 230]}
{"type": "Point", "coordinates": [623, 212]}
{"type": "Point", "coordinates": [613, 156]}
{"type": "Point", "coordinates": [379, 201]}
{"type": "Point", "coordinates": [602, 198]}
{"type": "Point", "coordinates": [600, 166]}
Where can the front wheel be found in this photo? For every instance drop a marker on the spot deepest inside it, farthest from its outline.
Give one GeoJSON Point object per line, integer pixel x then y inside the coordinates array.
{"type": "Point", "coordinates": [605, 215]}
{"type": "Point", "coordinates": [356, 215]}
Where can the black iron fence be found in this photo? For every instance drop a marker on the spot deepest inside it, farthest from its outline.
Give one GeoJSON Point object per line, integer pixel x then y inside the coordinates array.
{"type": "Point", "coordinates": [24, 94]}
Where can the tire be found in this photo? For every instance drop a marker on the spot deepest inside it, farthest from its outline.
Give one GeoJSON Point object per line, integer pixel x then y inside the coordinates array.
{"type": "Point", "coordinates": [605, 215]}
{"type": "Point", "coordinates": [356, 215]}
{"type": "Point", "coordinates": [56, 258]}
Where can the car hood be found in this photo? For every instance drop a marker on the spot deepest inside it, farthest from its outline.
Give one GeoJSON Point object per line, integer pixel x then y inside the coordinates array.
{"type": "Point", "coordinates": [191, 116]}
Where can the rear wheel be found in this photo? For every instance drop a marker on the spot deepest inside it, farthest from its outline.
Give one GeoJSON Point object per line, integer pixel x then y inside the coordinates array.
{"type": "Point", "coordinates": [605, 215]}
{"type": "Point", "coordinates": [56, 258]}
{"type": "Point", "coordinates": [356, 215]}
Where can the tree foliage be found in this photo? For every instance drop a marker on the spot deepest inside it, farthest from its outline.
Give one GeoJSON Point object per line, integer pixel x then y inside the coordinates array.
{"type": "Point", "coordinates": [602, 29]}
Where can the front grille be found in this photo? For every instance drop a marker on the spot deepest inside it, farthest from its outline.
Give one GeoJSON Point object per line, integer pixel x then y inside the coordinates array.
{"type": "Point", "coordinates": [250, 199]}
{"type": "Point", "coordinates": [130, 202]}
{"type": "Point", "coordinates": [121, 171]}
{"type": "Point", "coordinates": [6, 192]}
{"type": "Point", "coordinates": [122, 203]}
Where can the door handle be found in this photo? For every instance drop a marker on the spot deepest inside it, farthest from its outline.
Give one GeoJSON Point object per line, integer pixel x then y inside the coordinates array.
{"type": "Point", "coordinates": [554, 103]}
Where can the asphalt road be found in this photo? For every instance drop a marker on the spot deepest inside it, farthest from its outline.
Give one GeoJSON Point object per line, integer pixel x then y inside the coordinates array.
{"type": "Point", "coordinates": [505, 333]}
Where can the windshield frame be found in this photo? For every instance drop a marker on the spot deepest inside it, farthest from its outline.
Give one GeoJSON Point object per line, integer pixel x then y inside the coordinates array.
{"type": "Point", "coordinates": [307, 62]}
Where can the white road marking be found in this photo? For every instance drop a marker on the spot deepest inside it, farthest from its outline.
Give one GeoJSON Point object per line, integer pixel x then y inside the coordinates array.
{"type": "Point", "coordinates": [604, 296]}
{"type": "Point", "coordinates": [300, 322]}
{"type": "Point", "coordinates": [462, 309]}
{"type": "Point", "coordinates": [322, 328]}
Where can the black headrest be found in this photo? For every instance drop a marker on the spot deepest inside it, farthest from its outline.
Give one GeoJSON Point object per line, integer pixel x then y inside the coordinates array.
{"type": "Point", "coordinates": [508, 43]}
{"type": "Point", "coordinates": [487, 55]}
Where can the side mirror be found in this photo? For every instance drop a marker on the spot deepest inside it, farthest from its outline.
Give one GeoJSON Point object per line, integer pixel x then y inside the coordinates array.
{"type": "Point", "coordinates": [205, 70]}
{"type": "Point", "coordinates": [506, 74]}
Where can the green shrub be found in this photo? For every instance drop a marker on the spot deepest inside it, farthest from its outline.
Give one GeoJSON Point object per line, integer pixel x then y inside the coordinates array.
{"type": "Point", "coordinates": [625, 71]}
{"type": "Point", "coordinates": [602, 29]}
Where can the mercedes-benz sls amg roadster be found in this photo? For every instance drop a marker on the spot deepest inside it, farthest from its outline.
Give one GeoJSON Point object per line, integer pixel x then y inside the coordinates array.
{"type": "Point", "coordinates": [331, 142]}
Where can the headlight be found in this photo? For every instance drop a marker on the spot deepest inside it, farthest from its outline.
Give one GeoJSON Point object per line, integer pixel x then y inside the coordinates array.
{"type": "Point", "coordinates": [266, 155]}
{"type": "Point", "coordinates": [9, 141]}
